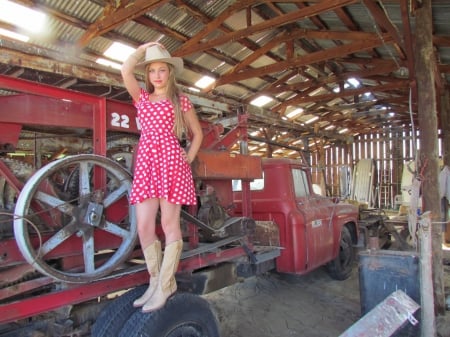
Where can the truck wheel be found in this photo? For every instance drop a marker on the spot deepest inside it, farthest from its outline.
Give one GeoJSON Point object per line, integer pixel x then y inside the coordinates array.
{"type": "Point", "coordinates": [184, 315]}
{"type": "Point", "coordinates": [341, 267]}
{"type": "Point", "coordinates": [115, 314]}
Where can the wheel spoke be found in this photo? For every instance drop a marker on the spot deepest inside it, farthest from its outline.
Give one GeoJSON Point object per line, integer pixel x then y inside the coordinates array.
{"type": "Point", "coordinates": [85, 183]}
{"type": "Point", "coordinates": [88, 251]}
{"type": "Point", "coordinates": [116, 230]}
{"type": "Point", "coordinates": [58, 238]}
{"type": "Point", "coordinates": [53, 201]}
{"type": "Point", "coordinates": [116, 195]}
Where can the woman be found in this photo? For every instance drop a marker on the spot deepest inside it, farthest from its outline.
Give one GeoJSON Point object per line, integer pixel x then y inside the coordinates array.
{"type": "Point", "coordinates": [162, 174]}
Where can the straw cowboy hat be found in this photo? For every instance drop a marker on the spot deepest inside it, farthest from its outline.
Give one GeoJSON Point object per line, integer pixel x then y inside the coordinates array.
{"type": "Point", "coordinates": [157, 53]}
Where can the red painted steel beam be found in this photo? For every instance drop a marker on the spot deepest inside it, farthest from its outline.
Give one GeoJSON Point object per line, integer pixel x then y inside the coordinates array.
{"type": "Point", "coordinates": [120, 116]}
{"type": "Point", "coordinates": [205, 260]}
{"type": "Point", "coordinates": [11, 179]}
{"type": "Point", "coordinates": [32, 306]}
{"type": "Point", "coordinates": [9, 136]}
{"type": "Point", "coordinates": [76, 294]}
{"type": "Point", "coordinates": [24, 86]}
{"type": "Point", "coordinates": [25, 109]}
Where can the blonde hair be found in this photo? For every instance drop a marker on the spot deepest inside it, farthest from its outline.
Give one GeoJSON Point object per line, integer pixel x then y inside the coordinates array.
{"type": "Point", "coordinates": [174, 95]}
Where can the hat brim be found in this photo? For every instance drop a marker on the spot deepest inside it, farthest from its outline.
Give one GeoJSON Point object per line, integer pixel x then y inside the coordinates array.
{"type": "Point", "coordinates": [177, 63]}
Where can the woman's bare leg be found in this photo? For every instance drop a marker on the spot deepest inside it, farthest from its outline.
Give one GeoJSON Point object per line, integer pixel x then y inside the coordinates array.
{"type": "Point", "coordinates": [170, 220]}
{"type": "Point", "coordinates": [146, 212]}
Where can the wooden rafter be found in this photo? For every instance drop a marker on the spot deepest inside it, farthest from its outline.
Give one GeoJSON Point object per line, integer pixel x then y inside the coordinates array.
{"type": "Point", "coordinates": [345, 93]}
{"type": "Point", "coordinates": [194, 45]}
{"type": "Point", "coordinates": [116, 17]}
{"type": "Point", "coordinates": [303, 60]}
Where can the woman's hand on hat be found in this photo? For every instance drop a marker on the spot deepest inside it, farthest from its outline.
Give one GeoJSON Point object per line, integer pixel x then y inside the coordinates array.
{"type": "Point", "coordinates": [149, 44]}
{"type": "Point", "coordinates": [140, 51]}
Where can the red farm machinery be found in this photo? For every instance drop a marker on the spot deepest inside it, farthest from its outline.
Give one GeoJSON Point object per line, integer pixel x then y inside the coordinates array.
{"type": "Point", "coordinates": [68, 235]}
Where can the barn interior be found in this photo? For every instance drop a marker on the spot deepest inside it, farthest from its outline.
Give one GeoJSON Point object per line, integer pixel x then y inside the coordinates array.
{"type": "Point", "coordinates": [357, 90]}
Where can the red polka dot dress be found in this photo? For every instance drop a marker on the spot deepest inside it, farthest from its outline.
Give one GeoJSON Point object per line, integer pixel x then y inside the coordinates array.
{"type": "Point", "coordinates": [160, 170]}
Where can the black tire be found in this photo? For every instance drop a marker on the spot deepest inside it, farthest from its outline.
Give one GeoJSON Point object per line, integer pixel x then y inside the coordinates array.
{"type": "Point", "coordinates": [341, 267]}
{"type": "Point", "coordinates": [184, 315]}
{"type": "Point", "coordinates": [115, 314]}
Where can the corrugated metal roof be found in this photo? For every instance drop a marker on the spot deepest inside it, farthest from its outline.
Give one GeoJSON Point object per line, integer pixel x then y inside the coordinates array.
{"type": "Point", "coordinates": [176, 23]}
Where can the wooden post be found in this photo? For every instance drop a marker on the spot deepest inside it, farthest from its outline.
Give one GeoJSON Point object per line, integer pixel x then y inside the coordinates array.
{"type": "Point", "coordinates": [425, 65]}
{"type": "Point", "coordinates": [428, 327]}
{"type": "Point", "coordinates": [445, 126]}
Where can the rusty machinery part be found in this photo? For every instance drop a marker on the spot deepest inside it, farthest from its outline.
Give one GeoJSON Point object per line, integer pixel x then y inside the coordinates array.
{"type": "Point", "coordinates": [22, 171]}
{"type": "Point", "coordinates": [8, 195]}
{"type": "Point", "coordinates": [231, 227]}
{"type": "Point", "coordinates": [125, 159]}
{"type": "Point", "coordinates": [213, 215]}
{"type": "Point", "coordinates": [97, 229]}
{"type": "Point", "coordinates": [50, 145]}
{"type": "Point", "coordinates": [120, 149]}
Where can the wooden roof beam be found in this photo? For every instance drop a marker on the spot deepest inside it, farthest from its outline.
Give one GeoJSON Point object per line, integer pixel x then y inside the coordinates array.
{"type": "Point", "coordinates": [190, 46]}
{"type": "Point", "coordinates": [194, 45]}
{"type": "Point", "coordinates": [387, 68]}
{"type": "Point", "coordinates": [384, 23]}
{"type": "Point", "coordinates": [117, 17]}
{"type": "Point", "coordinates": [352, 92]}
{"type": "Point", "coordinates": [303, 60]}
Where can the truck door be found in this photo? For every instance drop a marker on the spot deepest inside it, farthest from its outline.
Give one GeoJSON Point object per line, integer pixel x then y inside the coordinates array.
{"type": "Point", "coordinates": [318, 228]}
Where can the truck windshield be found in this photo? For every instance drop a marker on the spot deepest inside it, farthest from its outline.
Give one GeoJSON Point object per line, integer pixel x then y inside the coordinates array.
{"type": "Point", "coordinates": [301, 186]}
{"type": "Point", "coordinates": [255, 185]}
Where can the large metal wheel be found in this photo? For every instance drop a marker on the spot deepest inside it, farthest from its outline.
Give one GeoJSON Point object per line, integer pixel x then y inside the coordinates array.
{"type": "Point", "coordinates": [72, 219]}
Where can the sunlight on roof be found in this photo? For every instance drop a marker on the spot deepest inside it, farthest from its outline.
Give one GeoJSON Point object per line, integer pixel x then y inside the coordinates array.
{"type": "Point", "coordinates": [193, 89]}
{"type": "Point", "coordinates": [205, 82]}
{"type": "Point", "coordinates": [261, 101]}
{"type": "Point", "coordinates": [108, 63]}
{"type": "Point", "coordinates": [338, 89]}
{"type": "Point", "coordinates": [21, 16]}
{"type": "Point", "coordinates": [14, 35]}
{"type": "Point", "coordinates": [119, 51]}
{"type": "Point", "coordinates": [312, 120]}
{"type": "Point", "coordinates": [353, 81]}
{"type": "Point", "coordinates": [294, 113]}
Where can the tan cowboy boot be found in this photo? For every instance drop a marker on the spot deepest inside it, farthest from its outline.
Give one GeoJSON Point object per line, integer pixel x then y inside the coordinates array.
{"type": "Point", "coordinates": [167, 284]}
{"type": "Point", "coordinates": [153, 256]}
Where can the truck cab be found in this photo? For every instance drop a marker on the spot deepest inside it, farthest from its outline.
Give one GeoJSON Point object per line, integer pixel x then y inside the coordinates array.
{"type": "Point", "coordinates": [313, 230]}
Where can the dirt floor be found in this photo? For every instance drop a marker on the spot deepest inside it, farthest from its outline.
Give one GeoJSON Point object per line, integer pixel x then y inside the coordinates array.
{"type": "Point", "coordinates": [312, 305]}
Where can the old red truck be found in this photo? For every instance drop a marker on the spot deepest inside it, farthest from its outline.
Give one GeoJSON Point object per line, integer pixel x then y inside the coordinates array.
{"type": "Point", "coordinates": [311, 229]}
{"type": "Point", "coordinates": [68, 237]}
